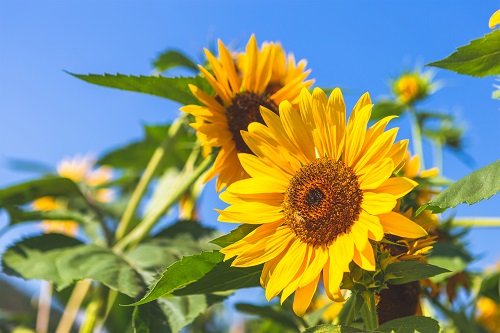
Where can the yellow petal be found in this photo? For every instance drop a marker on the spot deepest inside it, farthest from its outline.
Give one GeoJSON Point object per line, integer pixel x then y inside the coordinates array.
{"type": "Point", "coordinates": [365, 258]}
{"type": "Point", "coordinates": [494, 19]}
{"type": "Point", "coordinates": [318, 260]}
{"type": "Point", "coordinates": [303, 297]}
{"type": "Point", "coordinates": [378, 203]}
{"type": "Point", "coordinates": [400, 225]}
{"type": "Point", "coordinates": [373, 175]}
{"type": "Point", "coordinates": [341, 252]}
{"type": "Point", "coordinates": [249, 240]}
{"type": "Point", "coordinates": [251, 212]}
{"type": "Point", "coordinates": [332, 277]}
{"type": "Point", "coordinates": [258, 167]}
{"type": "Point", "coordinates": [372, 224]}
{"type": "Point", "coordinates": [294, 284]}
{"type": "Point", "coordinates": [355, 134]}
{"type": "Point", "coordinates": [265, 249]}
{"type": "Point", "coordinates": [258, 185]}
{"type": "Point", "coordinates": [397, 186]}
{"type": "Point", "coordinates": [228, 64]}
{"type": "Point", "coordinates": [285, 270]}
{"type": "Point", "coordinates": [297, 131]}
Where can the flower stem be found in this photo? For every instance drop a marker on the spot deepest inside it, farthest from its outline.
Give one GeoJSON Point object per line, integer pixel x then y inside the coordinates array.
{"type": "Point", "coordinates": [147, 176]}
{"type": "Point", "coordinates": [438, 155]}
{"type": "Point", "coordinates": [186, 178]}
{"type": "Point", "coordinates": [73, 306]}
{"type": "Point", "coordinates": [43, 315]}
{"type": "Point", "coordinates": [369, 310]}
{"type": "Point", "coordinates": [416, 132]}
{"type": "Point", "coordinates": [492, 222]}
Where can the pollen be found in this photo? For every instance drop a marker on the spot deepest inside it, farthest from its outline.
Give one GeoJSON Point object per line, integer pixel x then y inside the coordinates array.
{"type": "Point", "coordinates": [323, 201]}
{"type": "Point", "coordinates": [245, 109]}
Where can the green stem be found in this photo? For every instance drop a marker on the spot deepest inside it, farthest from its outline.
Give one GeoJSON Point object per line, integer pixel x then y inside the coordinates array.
{"type": "Point", "coordinates": [369, 310]}
{"type": "Point", "coordinates": [147, 176]}
{"type": "Point", "coordinates": [188, 177]}
{"type": "Point", "coordinates": [43, 314]}
{"type": "Point", "coordinates": [491, 222]}
{"type": "Point", "coordinates": [73, 306]}
{"type": "Point", "coordinates": [416, 132]}
{"type": "Point", "coordinates": [438, 155]}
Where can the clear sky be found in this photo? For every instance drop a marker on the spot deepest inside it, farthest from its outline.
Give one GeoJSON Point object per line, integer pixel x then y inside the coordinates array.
{"type": "Point", "coordinates": [46, 115]}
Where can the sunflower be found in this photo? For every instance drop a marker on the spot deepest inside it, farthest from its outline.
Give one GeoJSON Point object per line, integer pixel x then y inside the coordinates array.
{"type": "Point", "coordinates": [79, 170]}
{"type": "Point", "coordinates": [320, 191]}
{"type": "Point", "coordinates": [257, 77]}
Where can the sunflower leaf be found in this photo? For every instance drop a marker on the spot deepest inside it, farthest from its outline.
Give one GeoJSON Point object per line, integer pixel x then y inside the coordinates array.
{"type": "Point", "coordinates": [203, 273]}
{"type": "Point", "coordinates": [490, 287]}
{"type": "Point", "coordinates": [171, 314]}
{"type": "Point", "coordinates": [17, 215]}
{"type": "Point", "coordinates": [63, 260]}
{"type": "Point", "coordinates": [182, 273]}
{"type": "Point", "coordinates": [137, 154]}
{"type": "Point", "coordinates": [386, 108]}
{"type": "Point", "coordinates": [172, 88]}
{"type": "Point", "coordinates": [172, 59]}
{"type": "Point", "coordinates": [480, 184]}
{"type": "Point", "coordinates": [410, 325]}
{"type": "Point", "coordinates": [283, 318]}
{"type": "Point", "coordinates": [235, 235]}
{"type": "Point", "coordinates": [24, 193]}
{"type": "Point", "coordinates": [407, 271]}
{"type": "Point", "coordinates": [334, 329]}
{"type": "Point", "coordinates": [479, 58]}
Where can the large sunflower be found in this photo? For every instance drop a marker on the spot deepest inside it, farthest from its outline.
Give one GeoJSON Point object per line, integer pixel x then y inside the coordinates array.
{"type": "Point", "coordinates": [241, 86]}
{"type": "Point", "coordinates": [320, 191]}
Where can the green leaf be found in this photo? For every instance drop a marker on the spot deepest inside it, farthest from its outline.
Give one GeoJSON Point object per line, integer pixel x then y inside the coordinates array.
{"type": "Point", "coordinates": [149, 318]}
{"type": "Point", "coordinates": [407, 271]}
{"type": "Point", "coordinates": [63, 260]}
{"type": "Point", "coordinates": [24, 193]}
{"type": "Point", "coordinates": [410, 325]}
{"type": "Point", "coordinates": [223, 277]}
{"type": "Point", "coordinates": [490, 287]}
{"type": "Point", "coordinates": [175, 88]}
{"type": "Point", "coordinates": [234, 235]}
{"type": "Point", "coordinates": [202, 274]}
{"type": "Point", "coordinates": [187, 270]}
{"type": "Point", "coordinates": [172, 59]}
{"type": "Point", "coordinates": [18, 215]}
{"type": "Point", "coordinates": [386, 108]}
{"type": "Point", "coordinates": [171, 314]}
{"type": "Point", "coordinates": [479, 185]}
{"type": "Point", "coordinates": [182, 311]}
{"type": "Point", "coordinates": [136, 155]}
{"type": "Point", "coordinates": [182, 239]}
{"type": "Point", "coordinates": [35, 258]}
{"type": "Point", "coordinates": [101, 265]}
{"type": "Point", "coordinates": [285, 319]}
{"type": "Point", "coordinates": [333, 329]}
{"type": "Point", "coordinates": [479, 58]}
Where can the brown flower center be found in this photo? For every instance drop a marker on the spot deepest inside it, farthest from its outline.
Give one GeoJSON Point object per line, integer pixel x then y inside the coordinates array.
{"type": "Point", "coordinates": [322, 201]}
{"type": "Point", "coordinates": [243, 111]}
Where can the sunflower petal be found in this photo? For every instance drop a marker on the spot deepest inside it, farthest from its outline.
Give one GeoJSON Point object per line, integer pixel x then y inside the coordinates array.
{"type": "Point", "coordinates": [303, 297]}
{"type": "Point", "coordinates": [400, 225]}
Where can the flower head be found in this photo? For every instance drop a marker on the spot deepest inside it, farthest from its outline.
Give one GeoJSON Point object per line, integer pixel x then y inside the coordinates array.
{"type": "Point", "coordinates": [320, 189]}
{"type": "Point", "coordinates": [79, 170]}
{"type": "Point", "coordinates": [257, 78]}
{"type": "Point", "coordinates": [414, 86]}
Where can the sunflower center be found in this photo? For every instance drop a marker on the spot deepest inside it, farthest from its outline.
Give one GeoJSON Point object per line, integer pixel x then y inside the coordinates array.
{"type": "Point", "coordinates": [323, 201]}
{"type": "Point", "coordinates": [243, 111]}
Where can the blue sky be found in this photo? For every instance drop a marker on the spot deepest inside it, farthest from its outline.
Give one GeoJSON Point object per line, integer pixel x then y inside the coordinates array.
{"type": "Point", "coordinates": [46, 115]}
